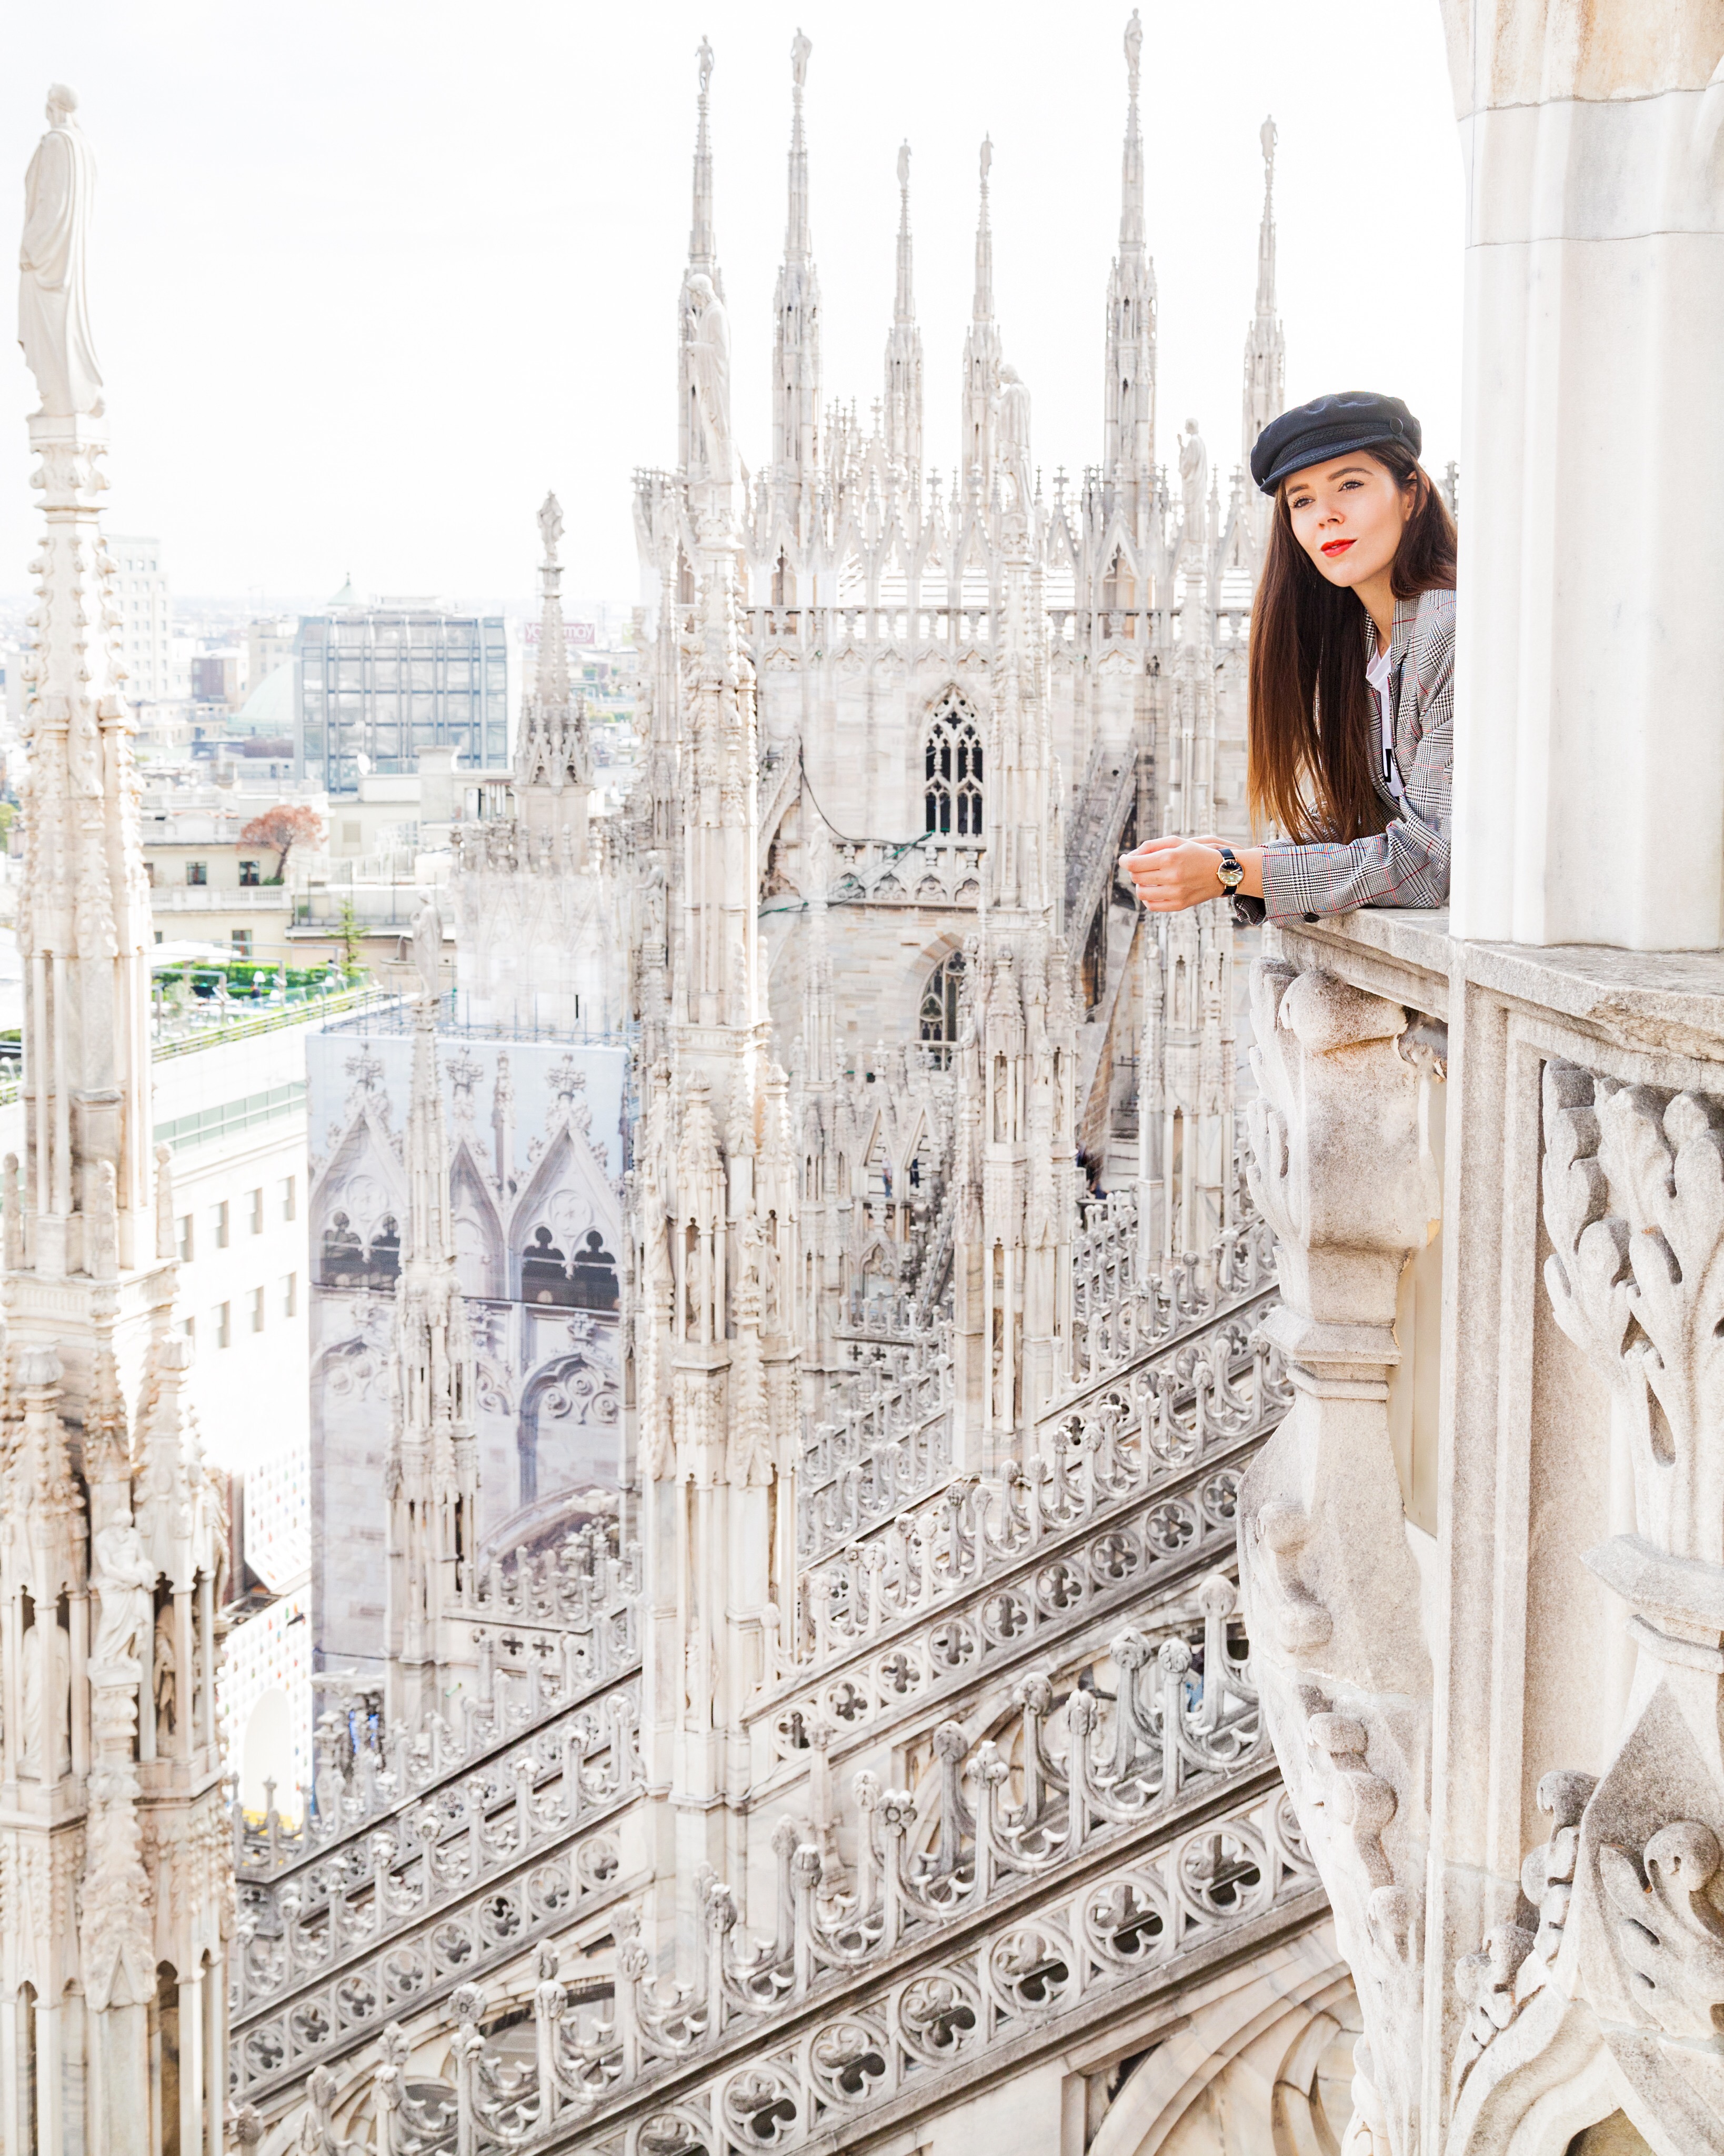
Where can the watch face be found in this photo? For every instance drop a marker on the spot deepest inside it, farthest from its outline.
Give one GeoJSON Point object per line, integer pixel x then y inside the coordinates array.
{"type": "Point", "coordinates": [1231, 875]}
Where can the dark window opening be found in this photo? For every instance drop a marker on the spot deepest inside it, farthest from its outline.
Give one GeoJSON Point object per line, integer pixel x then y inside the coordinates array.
{"type": "Point", "coordinates": [939, 1015]}
{"type": "Point", "coordinates": [952, 772]}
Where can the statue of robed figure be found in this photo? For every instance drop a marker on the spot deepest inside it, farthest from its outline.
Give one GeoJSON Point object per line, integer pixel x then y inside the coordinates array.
{"type": "Point", "coordinates": [709, 363]}
{"type": "Point", "coordinates": [53, 303]}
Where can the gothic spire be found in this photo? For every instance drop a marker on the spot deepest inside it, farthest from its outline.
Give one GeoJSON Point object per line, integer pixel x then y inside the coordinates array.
{"type": "Point", "coordinates": [904, 308]}
{"type": "Point", "coordinates": [551, 675]}
{"type": "Point", "coordinates": [552, 748]}
{"type": "Point", "coordinates": [130, 1539]}
{"type": "Point", "coordinates": [1266, 387]}
{"type": "Point", "coordinates": [1129, 452]}
{"type": "Point", "coordinates": [795, 343]}
{"type": "Point", "coordinates": [1266, 230]}
{"type": "Point", "coordinates": [702, 282]}
{"type": "Point", "coordinates": [904, 345]}
{"type": "Point", "coordinates": [1131, 233]}
{"type": "Point", "coordinates": [982, 350]}
{"type": "Point", "coordinates": [703, 243]}
{"type": "Point", "coordinates": [981, 309]}
{"type": "Point", "coordinates": [798, 243]}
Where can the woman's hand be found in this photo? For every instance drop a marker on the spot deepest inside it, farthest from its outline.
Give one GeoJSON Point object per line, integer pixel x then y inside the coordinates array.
{"type": "Point", "coordinates": [1169, 874]}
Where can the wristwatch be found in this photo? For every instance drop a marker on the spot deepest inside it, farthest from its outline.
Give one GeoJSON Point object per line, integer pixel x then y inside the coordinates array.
{"type": "Point", "coordinates": [1230, 870]}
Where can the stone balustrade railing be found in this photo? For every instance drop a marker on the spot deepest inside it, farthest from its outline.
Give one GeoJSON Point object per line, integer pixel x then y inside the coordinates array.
{"type": "Point", "coordinates": [364, 1779]}
{"type": "Point", "coordinates": [926, 871]}
{"type": "Point", "coordinates": [940, 625]}
{"type": "Point", "coordinates": [1122, 1311]}
{"type": "Point", "coordinates": [888, 1441]}
{"type": "Point", "coordinates": [323, 1957]}
{"type": "Point", "coordinates": [954, 1925]}
{"type": "Point", "coordinates": [581, 1583]}
{"type": "Point", "coordinates": [504, 843]}
{"type": "Point", "coordinates": [1133, 1485]}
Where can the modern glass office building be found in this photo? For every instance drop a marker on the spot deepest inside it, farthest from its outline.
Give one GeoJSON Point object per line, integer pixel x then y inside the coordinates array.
{"type": "Point", "coordinates": [387, 682]}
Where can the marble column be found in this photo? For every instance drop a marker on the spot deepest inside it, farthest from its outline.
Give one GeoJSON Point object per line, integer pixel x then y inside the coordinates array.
{"type": "Point", "coordinates": [1589, 760]}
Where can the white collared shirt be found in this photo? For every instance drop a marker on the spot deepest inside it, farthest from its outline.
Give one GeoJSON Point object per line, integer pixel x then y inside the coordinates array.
{"type": "Point", "coordinates": [1377, 673]}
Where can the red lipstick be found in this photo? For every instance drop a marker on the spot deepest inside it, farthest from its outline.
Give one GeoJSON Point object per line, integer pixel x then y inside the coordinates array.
{"type": "Point", "coordinates": [1333, 547]}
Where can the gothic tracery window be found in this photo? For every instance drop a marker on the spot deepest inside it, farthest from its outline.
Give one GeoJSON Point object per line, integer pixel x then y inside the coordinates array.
{"type": "Point", "coordinates": [951, 792]}
{"type": "Point", "coordinates": [939, 1010]}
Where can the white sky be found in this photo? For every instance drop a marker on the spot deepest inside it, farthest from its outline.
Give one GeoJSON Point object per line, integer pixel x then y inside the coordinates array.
{"type": "Point", "coordinates": [368, 275]}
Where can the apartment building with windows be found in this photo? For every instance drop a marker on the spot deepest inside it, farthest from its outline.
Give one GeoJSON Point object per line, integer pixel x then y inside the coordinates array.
{"type": "Point", "coordinates": [233, 1117]}
{"type": "Point", "coordinates": [377, 684]}
{"type": "Point", "coordinates": [208, 886]}
{"type": "Point", "coordinates": [141, 593]}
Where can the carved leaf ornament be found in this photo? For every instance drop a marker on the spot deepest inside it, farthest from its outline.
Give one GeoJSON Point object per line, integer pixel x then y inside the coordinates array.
{"type": "Point", "coordinates": [1634, 1202]}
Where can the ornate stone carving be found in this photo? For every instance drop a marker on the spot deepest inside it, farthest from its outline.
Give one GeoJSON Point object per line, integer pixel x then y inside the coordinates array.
{"type": "Point", "coordinates": [1329, 1587]}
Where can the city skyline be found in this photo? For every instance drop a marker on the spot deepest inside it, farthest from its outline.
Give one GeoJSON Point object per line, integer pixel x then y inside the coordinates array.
{"type": "Point", "coordinates": [568, 219]}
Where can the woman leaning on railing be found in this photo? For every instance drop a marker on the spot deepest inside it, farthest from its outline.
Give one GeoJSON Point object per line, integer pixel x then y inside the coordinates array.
{"type": "Point", "coordinates": [1350, 739]}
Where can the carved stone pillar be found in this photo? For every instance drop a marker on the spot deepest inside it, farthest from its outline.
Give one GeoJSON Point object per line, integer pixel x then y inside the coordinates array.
{"type": "Point", "coordinates": [1330, 1585]}
{"type": "Point", "coordinates": [1587, 755]}
{"type": "Point", "coordinates": [1622, 1981]}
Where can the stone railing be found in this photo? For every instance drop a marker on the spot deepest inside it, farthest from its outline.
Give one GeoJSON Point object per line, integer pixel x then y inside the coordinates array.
{"type": "Point", "coordinates": [1095, 1842]}
{"type": "Point", "coordinates": [365, 1779]}
{"type": "Point", "coordinates": [504, 843]}
{"type": "Point", "coordinates": [465, 1878]}
{"type": "Point", "coordinates": [581, 1584]}
{"type": "Point", "coordinates": [1136, 1486]}
{"type": "Point", "coordinates": [1484, 1563]}
{"type": "Point", "coordinates": [832, 627]}
{"type": "Point", "coordinates": [889, 1442]}
{"type": "Point", "coordinates": [925, 871]}
{"type": "Point", "coordinates": [1122, 1311]}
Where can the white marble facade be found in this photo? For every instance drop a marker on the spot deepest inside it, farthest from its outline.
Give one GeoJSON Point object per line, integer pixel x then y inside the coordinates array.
{"type": "Point", "coordinates": [535, 1134]}
{"type": "Point", "coordinates": [970, 692]}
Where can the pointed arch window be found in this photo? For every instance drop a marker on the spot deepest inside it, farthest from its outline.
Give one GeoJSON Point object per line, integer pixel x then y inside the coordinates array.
{"type": "Point", "coordinates": [940, 1002]}
{"type": "Point", "coordinates": [951, 761]}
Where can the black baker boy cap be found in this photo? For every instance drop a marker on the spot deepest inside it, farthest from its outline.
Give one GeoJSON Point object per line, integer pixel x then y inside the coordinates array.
{"type": "Point", "coordinates": [1329, 427]}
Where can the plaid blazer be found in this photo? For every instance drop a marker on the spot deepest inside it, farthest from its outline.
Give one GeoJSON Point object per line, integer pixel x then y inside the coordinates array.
{"type": "Point", "coordinates": [1408, 863]}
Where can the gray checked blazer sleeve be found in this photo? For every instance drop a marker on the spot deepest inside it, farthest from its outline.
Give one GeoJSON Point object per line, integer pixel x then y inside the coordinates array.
{"type": "Point", "coordinates": [1407, 863]}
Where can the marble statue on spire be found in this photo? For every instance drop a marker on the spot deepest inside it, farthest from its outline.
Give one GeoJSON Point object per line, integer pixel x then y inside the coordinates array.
{"type": "Point", "coordinates": [709, 376]}
{"type": "Point", "coordinates": [551, 525]}
{"type": "Point", "coordinates": [1193, 475]}
{"type": "Point", "coordinates": [427, 950]}
{"type": "Point", "coordinates": [1014, 436]}
{"type": "Point", "coordinates": [52, 305]}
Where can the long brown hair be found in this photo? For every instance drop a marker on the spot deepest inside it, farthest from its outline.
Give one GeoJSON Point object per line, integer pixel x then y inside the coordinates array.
{"type": "Point", "coordinates": [1310, 756]}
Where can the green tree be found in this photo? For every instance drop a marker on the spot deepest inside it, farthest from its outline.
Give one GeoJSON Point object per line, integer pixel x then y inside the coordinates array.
{"type": "Point", "coordinates": [351, 941]}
